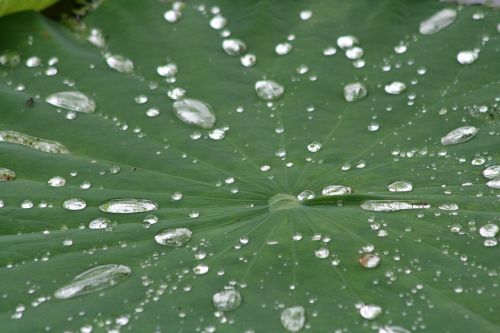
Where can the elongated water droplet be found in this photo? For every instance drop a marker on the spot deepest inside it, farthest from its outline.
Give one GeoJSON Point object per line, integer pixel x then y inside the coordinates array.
{"type": "Point", "coordinates": [438, 21]}
{"type": "Point", "coordinates": [173, 237]}
{"type": "Point", "coordinates": [126, 206]}
{"type": "Point", "coordinates": [494, 183]}
{"type": "Point", "coordinates": [74, 204]}
{"type": "Point", "coordinates": [234, 47]}
{"type": "Point", "coordinates": [194, 112]}
{"type": "Point", "coordinates": [119, 63]}
{"type": "Point", "coordinates": [354, 92]}
{"type": "Point", "coordinates": [449, 206]}
{"type": "Point", "coordinates": [491, 172]}
{"type": "Point", "coordinates": [489, 230]}
{"type": "Point", "coordinates": [99, 223]}
{"type": "Point", "coordinates": [370, 311]}
{"type": "Point", "coordinates": [392, 329]}
{"type": "Point", "coordinates": [395, 88]}
{"type": "Point", "coordinates": [336, 190]}
{"type": "Point", "coordinates": [72, 100]}
{"type": "Point", "coordinates": [369, 260]}
{"type": "Point", "coordinates": [467, 57]}
{"type": "Point", "coordinates": [94, 279]}
{"type": "Point", "coordinates": [393, 206]}
{"type": "Point", "coordinates": [459, 135]}
{"type": "Point", "coordinates": [7, 174]}
{"type": "Point", "coordinates": [293, 319]}
{"type": "Point", "coordinates": [269, 90]}
{"type": "Point", "coordinates": [227, 300]}
{"type": "Point", "coordinates": [46, 146]}
{"type": "Point", "coordinates": [400, 186]}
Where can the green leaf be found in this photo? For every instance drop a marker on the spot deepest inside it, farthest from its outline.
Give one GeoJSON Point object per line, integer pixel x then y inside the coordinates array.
{"type": "Point", "coordinates": [12, 6]}
{"type": "Point", "coordinates": [431, 268]}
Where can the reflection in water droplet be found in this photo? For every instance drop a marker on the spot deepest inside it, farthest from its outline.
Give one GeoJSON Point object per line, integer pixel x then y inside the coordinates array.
{"type": "Point", "coordinates": [233, 47]}
{"type": "Point", "coordinates": [74, 204]}
{"type": "Point", "coordinates": [369, 260]}
{"type": "Point", "coordinates": [119, 63]}
{"type": "Point", "coordinates": [459, 135]}
{"type": "Point", "coordinates": [438, 21]}
{"type": "Point", "coordinates": [72, 100]}
{"type": "Point", "coordinates": [293, 318]}
{"type": "Point", "coordinates": [227, 300]}
{"type": "Point", "coordinates": [7, 174]}
{"type": "Point", "coordinates": [395, 88]}
{"type": "Point", "coordinates": [392, 206]}
{"type": "Point", "coordinates": [355, 92]}
{"type": "Point", "coordinates": [126, 206]}
{"type": "Point", "coordinates": [400, 186]}
{"type": "Point", "coordinates": [489, 230]}
{"type": "Point", "coordinates": [336, 190]}
{"type": "Point", "coordinates": [46, 146]}
{"type": "Point", "coordinates": [467, 57]}
{"type": "Point", "coordinates": [99, 223]}
{"type": "Point", "coordinates": [370, 311]}
{"type": "Point", "coordinates": [94, 279]}
{"type": "Point", "coordinates": [194, 112]}
{"type": "Point", "coordinates": [269, 90]}
{"type": "Point", "coordinates": [173, 237]}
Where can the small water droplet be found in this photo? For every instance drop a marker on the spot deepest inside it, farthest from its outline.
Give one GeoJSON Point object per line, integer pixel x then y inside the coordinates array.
{"type": "Point", "coordinates": [392, 329]}
{"type": "Point", "coordinates": [176, 196]}
{"type": "Point", "coordinates": [331, 190]}
{"type": "Point", "coordinates": [459, 135]}
{"type": "Point", "coordinates": [200, 269]}
{"type": "Point", "coordinates": [72, 100]}
{"type": "Point", "coordinates": [119, 63]}
{"type": "Point", "coordinates": [492, 172]}
{"type": "Point", "coordinates": [218, 22]}
{"type": "Point", "coordinates": [345, 42]}
{"type": "Point", "coordinates": [306, 195]}
{"type": "Point", "coordinates": [94, 279]}
{"type": "Point", "coordinates": [174, 237]}
{"type": "Point", "coordinates": [314, 147]}
{"type": "Point", "coordinates": [322, 253]}
{"type": "Point", "coordinates": [217, 134]}
{"type": "Point", "coordinates": [194, 112]}
{"type": "Point", "coordinates": [329, 51]}
{"type": "Point", "coordinates": [46, 146]}
{"type": "Point", "coordinates": [269, 90]}
{"type": "Point", "coordinates": [354, 92]}
{"type": "Point", "coordinates": [305, 15]}
{"type": "Point", "coordinates": [126, 206]}
{"type": "Point", "coordinates": [168, 70]}
{"type": "Point", "coordinates": [96, 38]}
{"type": "Point", "coordinates": [234, 47]}
{"type": "Point", "coordinates": [400, 186]}
{"type": "Point", "coordinates": [354, 53]}
{"type": "Point", "coordinates": [283, 48]}
{"type": "Point", "coordinates": [293, 318]}
{"type": "Point", "coordinates": [449, 206]}
{"type": "Point", "coordinates": [395, 88]}
{"type": "Point", "coordinates": [227, 300]}
{"type": "Point", "coordinates": [494, 183]}
{"type": "Point", "coordinates": [248, 60]}
{"type": "Point", "coordinates": [172, 15]}
{"type": "Point", "coordinates": [74, 204]}
{"type": "Point", "coordinates": [99, 223]}
{"type": "Point", "coordinates": [370, 311]}
{"type": "Point", "coordinates": [467, 57]}
{"type": "Point", "coordinates": [33, 61]}
{"type": "Point", "coordinates": [438, 21]}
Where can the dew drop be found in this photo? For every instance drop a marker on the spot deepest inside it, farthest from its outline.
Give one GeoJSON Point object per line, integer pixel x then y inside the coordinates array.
{"type": "Point", "coordinates": [172, 16]}
{"type": "Point", "coordinates": [194, 112]}
{"type": "Point", "coordinates": [322, 253]}
{"type": "Point", "coordinates": [494, 183]}
{"type": "Point", "coordinates": [99, 223]}
{"type": "Point", "coordinates": [283, 48]}
{"type": "Point", "coordinates": [33, 61]}
{"type": "Point", "coordinates": [345, 42]}
{"type": "Point", "coordinates": [72, 100]}
{"type": "Point", "coordinates": [329, 51]}
{"type": "Point", "coordinates": [269, 90]}
{"type": "Point", "coordinates": [200, 269]}
{"type": "Point", "coordinates": [173, 237]}
{"type": "Point", "coordinates": [392, 329]}
{"type": "Point", "coordinates": [218, 22]}
{"type": "Point", "coordinates": [489, 230]}
{"type": "Point", "coordinates": [306, 195]}
{"type": "Point", "coordinates": [168, 70]}
{"type": "Point", "coordinates": [354, 92]}
{"type": "Point", "coordinates": [492, 172]}
{"type": "Point", "coordinates": [400, 186]}
{"type": "Point", "coordinates": [392, 206]}
{"type": "Point", "coordinates": [395, 88]}
{"type": "Point", "coordinates": [305, 15]}
{"type": "Point", "coordinates": [369, 260]}
{"type": "Point", "coordinates": [438, 21]}
{"type": "Point", "coordinates": [248, 60]}
{"type": "Point", "coordinates": [119, 63]}
{"type": "Point", "coordinates": [354, 53]}
{"type": "Point", "coordinates": [370, 311]}
{"type": "Point", "coordinates": [314, 147]}
{"type": "Point", "coordinates": [293, 318]}
{"type": "Point", "coordinates": [94, 279]}
{"type": "Point", "coordinates": [217, 134]}
{"type": "Point", "coordinates": [74, 204]}
{"type": "Point", "coordinates": [332, 190]}
{"type": "Point", "coordinates": [96, 38]}
{"type": "Point", "coordinates": [127, 206]}
{"type": "Point", "coordinates": [234, 47]}
{"type": "Point", "coordinates": [467, 57]}
{"type": "Point", "coordinates": [43, 145]}
{"type": "Point", "coordinates": [459, 135]}
{"type": "Point", "coordinates": [227, 300]}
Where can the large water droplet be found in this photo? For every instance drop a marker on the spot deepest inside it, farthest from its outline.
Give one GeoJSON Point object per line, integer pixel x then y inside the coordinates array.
{"type": "Point", "coordinates": [72, 100]}
{"type": "Point", "coordinates": [126, 206]}
{"type": "Point", "coordinates": [491, 172]}
{"type": "Point", "coordinates": [172, 15]}
{"type": "Point", "coordinates": [392, 206]}
{"type": "Point", "coordinates": [467, 57]}
{"type": "Point", "coordinates": [459, 135]}
{"type": "Point", "coordinates": [173, 237]}
{"type": "Point", "coordinates": [168, 70]}
{"type": "Point", "coordinates": [293, 319]}
{"type": "Point", "coordinates": [494, 183]}
{"type": "Point", "coordinates": [395, 88]}
{"type": "Point", "coordinates": [94, 279]}
{"type": "Point", "coordinates": [74, 204]}
{"type": "Point", "coordinates": [227, 300]}
{"type": "Point", "coordinates": [400, 186]}
{"type": "Point", "coordinates": [218, 22]}
{"type": "Point", "coordinates": [194, 112]}
{"type": "Point", "coordinates": [438, 21]}
{"type": "Point", "coordinates": [46, 146]}
{"type": "Point", "coordinates": [7, 174]}
{"type": "Point", "coordinates": [269, 90]}
{"type": "Point", "coordinates": [345, 42]}
{"type": "Point", "coordinates": [370, 311]}
{"type": "Point", "coordinates": [336, 190]}
{"type": "Point", "coordinates": [489, 230]}
{"type": "Point", "coordinates": [355, 92]}
{"type": "Point", "coordinates": [369, 260]}
{"type": "Point", "coordinates": [119, 63]}
{"type": "Point", "coordinates": [234, 47]}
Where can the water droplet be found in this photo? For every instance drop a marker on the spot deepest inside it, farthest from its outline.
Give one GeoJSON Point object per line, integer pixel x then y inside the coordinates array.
{"type": "Point", "coordinates": [392, 329]}
{"type": "Point", "coordinates": [176, 93]}
{"type": "Point", "coordinates": [269, 90]}
{"type": "Point", "coordinates": [354, 92]}
{"type": "Point", "coordinates": [449, 206]}
{"type": "Point", "coordinates": [494, 183]}
{"type": "Point", "coordinates": [329, 51]}
{"type": "Point", "coordinates": [46, 146]}
{"type": "Point", "coordinates": [306, 195]}
{"type": "Point", "coordinates": [217, 134]}
{"type": "Point", "coordinates": [218, 22]}
{"type": "Point", "coordinates": [293, 318]}
{"type": "Point", "coordinates": [400, 186]}
{"type": "Point", "coordinates": [491, 172]}
{"type": "Point", "coordinates": [194, 112]}
{"type": "Point", "coordinates": [141, 99]}
{"type": "Point", "coordinates": [248, 60]}
{"type": "Point", "coordinates": [369, 260]}
{"type": "Point", "coordinates": [126, 206]}
{"type": "Point", "coordinates": [373, 127]}
{"type": "Point", "coordinates": [168, 70]}
{"type": "Point", "coordinates": [283, 48]}
{"type": "Point", "coordinates": [395, 88]}
{"type": "Point", "coordinates": [200, 269]}
{"type": "Point", "coordinates": [305, 15]}
{"type": "Point", "coordinates": [459, 135]}
{"type": "Point", "coordinates": [94, 279]}
{"type": "Point", "coordinates": [345, 42]}
{"type": "Point", "coordinates": [99, 223]}
{"type": "Point", "coordinates": [152, 112]}
{"type": "Point", "coordinates": [354, 53]}
{"type": "Point", "coordinates": [370, 311]}
{"type": "Point", "coordinates": [74, 204]}
{"type": "Point", "coordinates": [172, 16]}
{"type": "Point", "coordinates": [336, 190]}
{"type": "Point", "coordinates": [174, 237]}
{"type": "Point", "coordinates": [314, 147]}
{"type": "Point", "coordinates": [467, 57]}
{"type": "Point", "coordinates": [10, 59]}
{"type": "Point", "coordinates": [227, 300]}
{"type": "Point", "coordinates": [234, 47]}
{"type": "Point", "coordinates": [322, 253]}
{"type": "Point", "coordinates": [33, 61]}
{"type": "Point", "coordinates": [96, 38]}
{"type": "Point", "coordinates": [489, 230]}
{"type": "Point", "coordinates": [119, 63]}
{"type": "Point", "coordinates": [7, 174]}
{"type": "Point", "coordinates": [438, 21]}
{"type": "Point", "coordinates": [72, 100]}
{"type": "Point", "coordinates": [26, 204]}
{"type": "Point", "coordinates": [392, 206]}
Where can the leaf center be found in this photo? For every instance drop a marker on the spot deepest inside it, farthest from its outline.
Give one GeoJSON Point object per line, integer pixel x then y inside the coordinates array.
{"type": "Point", "coordinates": [282, 201]}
